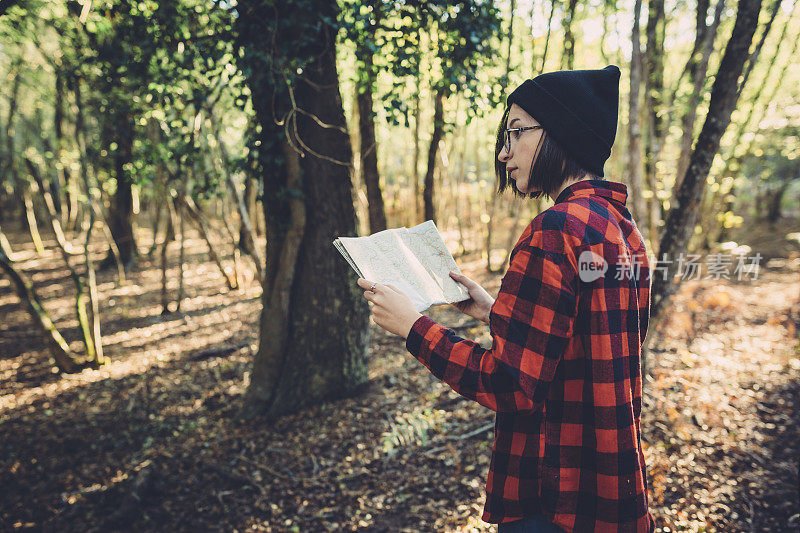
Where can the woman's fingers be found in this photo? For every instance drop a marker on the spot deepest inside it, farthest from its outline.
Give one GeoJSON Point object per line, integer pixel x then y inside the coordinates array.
{"type": "Point", "coordinates": [366, 284]}
{"type": "Point", "coordinates": [461, 278]}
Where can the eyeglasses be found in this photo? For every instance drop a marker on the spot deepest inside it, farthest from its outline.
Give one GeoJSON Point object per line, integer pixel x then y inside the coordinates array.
{"type": "Point", "coordinates": [518, 131]}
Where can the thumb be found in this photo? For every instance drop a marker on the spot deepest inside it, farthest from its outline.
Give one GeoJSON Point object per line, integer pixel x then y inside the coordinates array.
{"type": "Point", "coordinates": [460, 277]}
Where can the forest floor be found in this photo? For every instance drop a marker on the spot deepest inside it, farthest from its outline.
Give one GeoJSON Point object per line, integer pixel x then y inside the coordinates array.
{"type": "Point", "coordinates": [151, 442]}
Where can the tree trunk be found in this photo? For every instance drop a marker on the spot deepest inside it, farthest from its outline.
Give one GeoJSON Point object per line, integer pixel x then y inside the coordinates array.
{"type": "Point", "coordinates": [445, 173]}
{"type": "Point", "coordinates": [517, 206]}
{"type": "Point", "coordinates": [415, 154]}
{"type": "Point", "coordinates": [760, 202]}
{"type": "Point", "coordinates": [69, 215]}
{"type": "Point", "coordinates": [114, 253]}
{"type": "Point", "coordinates": [94, 297]}
{"type": "Point", "coordinates": [235, 250]}
{"type": "Point", "coordinates": [93, 201]}
{"type": "Point", "coordinates": [30, 214]}
{"type": "Point", "coordinates": [654, 84]}
{"type": "Point", "coordinates": [510, 40]}
{"type": "Point", "coordinates": [59, 349]}
{"type": "Point", "coordinates": [169, 236]}
{"type": "Point", "coordinates": [159, 181]}
{"type": "Point", "coordinates": [680, 221]}
{"type": "Point", "coordinates": [460, 217]}
{"type": "Point", "coordinates": [121, 215]}
{"type": "Point", "coordinates": [438, 130]}
{"type": "Point", "coordinates": [81, 297]}
{"type": "Point", "coordinates": [547, 37]}
{"type": "Point", "coordinates": [314, 326]}
{"type": "Point", "coordinates": [634, 131]}
{"type": "Point", "coordinates": [251, 203]}
{"type": "Point", "coordinates": [91, 280]}
{"type": "Point", "coordinates": [604, 32]}
{"type": "Point", "coordinates": [5, 245]}
{"type": "Point", "coordinates": [9, 167]}
{"type": "Point", "coordinates": [774, 205]}
{"type": "Point", "coordinates": [48, 152]}
{"type": "Point", "coordinates": [490, 230]}
{"type": "Point", "coordinates": [188, 206]}
{"type": "Point", "coordinates": [368, 149]}
{"type": "Point", "coordinates": [181, 253]}
{"type": "Point", "coordinates": [753, 58]}
{"type": "Point", "coordinates": [698, 67]}
{"type": "Point", "coordinates": [156, 218]}
{"type": "Point", "coordinates": [247, 237]}
{"type": "Point", "coordinates": [52, 210]}
{"type": "Point", "coordinates": [568, 54]}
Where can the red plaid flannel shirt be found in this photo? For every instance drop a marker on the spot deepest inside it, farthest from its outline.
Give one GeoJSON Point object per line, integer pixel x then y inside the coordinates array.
{"type": "Point", "coordinates": [564, 371]}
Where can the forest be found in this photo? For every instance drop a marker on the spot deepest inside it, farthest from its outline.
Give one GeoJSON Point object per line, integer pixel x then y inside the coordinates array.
{"type": "Point", "coordinates": [182, 348]}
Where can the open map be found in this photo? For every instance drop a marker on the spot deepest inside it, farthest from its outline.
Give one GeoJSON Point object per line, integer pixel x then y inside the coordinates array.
{"type": "Point", "coordinates": [415, 260]}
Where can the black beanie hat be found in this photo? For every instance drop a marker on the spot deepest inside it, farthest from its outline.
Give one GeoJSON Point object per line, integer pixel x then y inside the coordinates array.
{"type": "Point", "coordinates": [578, 108]}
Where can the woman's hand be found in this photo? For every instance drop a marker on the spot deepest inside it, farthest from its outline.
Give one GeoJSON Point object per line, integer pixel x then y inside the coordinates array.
{"type": "Point", "coordinates": [480, 302]}
{"type": "Point", "coordinates": [392, 310]}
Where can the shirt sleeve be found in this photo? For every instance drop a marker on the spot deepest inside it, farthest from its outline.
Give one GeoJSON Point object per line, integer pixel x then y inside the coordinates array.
{"type": "Point", "coordinates": [530, 322]}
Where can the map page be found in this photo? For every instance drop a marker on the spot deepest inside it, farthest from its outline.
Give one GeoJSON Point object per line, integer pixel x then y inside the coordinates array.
{"type": "Point", "coordinates": [414, 260]}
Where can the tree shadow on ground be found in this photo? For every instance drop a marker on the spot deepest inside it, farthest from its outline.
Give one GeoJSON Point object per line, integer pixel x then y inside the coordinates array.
{"type": "Point", "coordinates": [162, 450]}
{"type": "Point", "coordinates": [767, 494]}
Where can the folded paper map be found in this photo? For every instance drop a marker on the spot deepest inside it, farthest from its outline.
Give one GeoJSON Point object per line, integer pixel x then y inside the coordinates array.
{"type": "Point", "coordinates": [414, 260]}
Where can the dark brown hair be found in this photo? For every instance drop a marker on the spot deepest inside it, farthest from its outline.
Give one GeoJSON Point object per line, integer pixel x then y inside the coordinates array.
{"type": "Point", "coordinates": [552, 167]}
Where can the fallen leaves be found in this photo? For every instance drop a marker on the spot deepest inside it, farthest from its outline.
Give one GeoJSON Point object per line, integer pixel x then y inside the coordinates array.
{"type": "Point", "coordinates": [719, 424]}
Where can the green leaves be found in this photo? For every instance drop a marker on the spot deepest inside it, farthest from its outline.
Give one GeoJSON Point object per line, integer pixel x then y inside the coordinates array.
{"type": "Point", "coordinates": [436, 43]}
{"type": "Point", "coordinates": [411, 428]}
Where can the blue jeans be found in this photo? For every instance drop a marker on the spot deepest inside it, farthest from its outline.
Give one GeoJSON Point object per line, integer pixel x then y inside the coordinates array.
{"type": "Point", "coordinates": [531, 524]}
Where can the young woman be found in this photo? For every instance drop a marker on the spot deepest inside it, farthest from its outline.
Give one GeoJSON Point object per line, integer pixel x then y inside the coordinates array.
{"type": "Point", "coordinates": [564, 371]}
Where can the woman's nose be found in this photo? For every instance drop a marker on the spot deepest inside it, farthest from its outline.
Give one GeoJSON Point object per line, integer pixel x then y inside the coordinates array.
{"type": "Point", "coordinates": [504, 155]}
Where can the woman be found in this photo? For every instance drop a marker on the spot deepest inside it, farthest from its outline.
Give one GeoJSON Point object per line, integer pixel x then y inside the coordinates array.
{"type": "Point", "coordinates": [564, 371]}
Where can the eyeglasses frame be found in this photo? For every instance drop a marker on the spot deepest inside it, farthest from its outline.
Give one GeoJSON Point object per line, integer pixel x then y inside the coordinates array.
{"type": "Point", "coordinates": [507, 133]}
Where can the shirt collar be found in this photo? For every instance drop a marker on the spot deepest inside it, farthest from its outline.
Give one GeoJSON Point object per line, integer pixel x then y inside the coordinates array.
{"type": "Point", "coordinates": [613, 190]}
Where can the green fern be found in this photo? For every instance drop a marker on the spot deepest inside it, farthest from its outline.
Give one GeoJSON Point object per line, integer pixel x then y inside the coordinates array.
{"type": "Point", "coordinates": [411, 429]}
